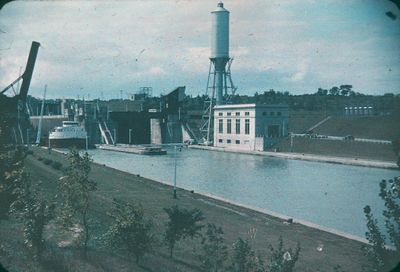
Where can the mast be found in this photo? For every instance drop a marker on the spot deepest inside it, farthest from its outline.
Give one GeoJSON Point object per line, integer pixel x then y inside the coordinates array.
{"type": "Point", "coordinates": [41, 117]}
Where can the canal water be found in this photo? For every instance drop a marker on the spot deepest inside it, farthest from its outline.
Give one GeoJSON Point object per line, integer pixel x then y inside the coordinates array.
{"type": "Point", "coordinates": [330, 195]}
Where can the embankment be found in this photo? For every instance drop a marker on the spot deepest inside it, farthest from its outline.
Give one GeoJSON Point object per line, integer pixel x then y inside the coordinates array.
{"type": "Point", "coordinates": [306, 157]}
{"type": "Point", "coordinates": [320, 250]}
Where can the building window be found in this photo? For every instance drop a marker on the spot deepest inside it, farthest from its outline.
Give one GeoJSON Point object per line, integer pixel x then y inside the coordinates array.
{"type": "Point", "coordinates": [272, 113]}
{"type": "Point", "coordinates": [247, 126]}
{"type": "Point", "coordinates": [228, 141]}
{"type": "Point", "coordinates": [237, 113]}
{"type": "Point", "coordinates": [220, 126]}
{"type": "Point", "coordinates": [219, 113]}
{"type": "Point", "coordinates": [279, 113]}
{"type": "Point", "coordinates": [237, 141]}
{"type": "Point", "coordinates": [228, 114]}
{"type": "Point", "coordinates": [220, 141]}
{"type": "Point", "coordinates": [247, 113]}
{"type": "Point", "coordinates": [237, 126]}
{"type": "Point", "coordinates": [264, 113]}
{"type": "Point", "coordinates": [229, 126]}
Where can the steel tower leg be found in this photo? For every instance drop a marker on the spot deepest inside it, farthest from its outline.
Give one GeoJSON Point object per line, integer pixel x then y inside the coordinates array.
{"type": "Point", "coordinates": [222, 89]}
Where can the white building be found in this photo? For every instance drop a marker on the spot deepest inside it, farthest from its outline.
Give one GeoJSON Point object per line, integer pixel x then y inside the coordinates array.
{"type": "Point", "coordinates": [250, 126]}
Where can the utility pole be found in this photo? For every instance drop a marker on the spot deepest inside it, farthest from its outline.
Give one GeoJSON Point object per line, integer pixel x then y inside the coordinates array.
{"type": "Point", "coordinates": [39, 133]}
{"type": "Point", "coordinates": [49, 143]}
{"type": "Point", "coordinates": [130, 136]}
{"type": "Point", "coordinates": [175, 173]}
{"type": "Point", "coordinates": [27, 137]}
{"type": "Point", "coordinates": [115, 136]}
{"type": "Point", "coordinates": [291, 142]}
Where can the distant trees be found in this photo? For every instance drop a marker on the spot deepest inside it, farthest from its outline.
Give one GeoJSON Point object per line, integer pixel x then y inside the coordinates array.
{"type": "Point", "coordinates": [182, 224]}
{"type": "Point", "coordinates": [382, 257]}
{"type": "Point", "coordinates": [322, 92]}
{"type": "Point", "coordinates": [130, 231]}
{"type": "Point", "coordinates": [345, 90]}
{"type": "Point", "coordinates": [342, 90]}
{"type": "Point", "coordinates": [75, 190]}
{"type": "Point", "coordinates": [334, 91]}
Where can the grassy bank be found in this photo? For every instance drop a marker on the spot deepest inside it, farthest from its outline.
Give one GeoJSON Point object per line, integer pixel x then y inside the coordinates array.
{"type": "Point", "coordinates": [235, 221]}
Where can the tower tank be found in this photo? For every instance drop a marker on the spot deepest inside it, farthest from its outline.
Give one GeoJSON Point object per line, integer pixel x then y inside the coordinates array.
{"type": "Point", "coordinates": [220, 32]}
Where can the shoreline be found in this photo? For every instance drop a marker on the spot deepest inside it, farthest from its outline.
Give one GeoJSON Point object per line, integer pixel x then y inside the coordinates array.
{"type": "Point", "coordinates": [248, 207]}
{"type": "Point", "coordinates": [235, 219]}
{"type": "Point", "coordinates": [256, 209]}
{"type": "Point", "coordinates": [305, 157]}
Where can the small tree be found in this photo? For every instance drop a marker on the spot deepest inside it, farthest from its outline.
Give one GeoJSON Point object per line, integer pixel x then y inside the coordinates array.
{"type": "Point", "coordinates": [130, 230]}
{"type": "Point", "coordinates": [283, 260]}
{"type": "Point", "coordinates": [215, 251]}
{"type": "Point", "coordinates": [244, 259]}
{"type": "Point", "coordinates": [11, 176]}
{"type": "Point", "coordinates": [75, 188]}
{"type": "Point", "coordinates": [35, 213]}
{"type": "Point", "coordinates": [382, 257]}
{"type": "Point", "coordinates": [182, 224]}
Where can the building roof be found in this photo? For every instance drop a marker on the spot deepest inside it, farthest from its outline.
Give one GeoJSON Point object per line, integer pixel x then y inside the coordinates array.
{"type": "Point", "coordinates": [253, 105]}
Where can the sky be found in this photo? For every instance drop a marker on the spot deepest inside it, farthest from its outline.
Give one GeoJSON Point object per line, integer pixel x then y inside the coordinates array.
{"type": "Point", "coordinates": [98, 48]}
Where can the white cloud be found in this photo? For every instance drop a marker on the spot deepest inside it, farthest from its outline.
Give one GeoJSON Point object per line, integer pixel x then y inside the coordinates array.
{"type": "Point", "coordinates": [157, 71]}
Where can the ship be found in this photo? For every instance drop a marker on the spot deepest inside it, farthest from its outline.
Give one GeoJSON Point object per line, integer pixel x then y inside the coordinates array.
{"type": "Point", "coordinates": [71, 134]}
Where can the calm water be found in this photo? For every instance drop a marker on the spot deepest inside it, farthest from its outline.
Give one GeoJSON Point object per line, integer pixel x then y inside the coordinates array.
{"type": "Point", "coordinates": [330, 195]}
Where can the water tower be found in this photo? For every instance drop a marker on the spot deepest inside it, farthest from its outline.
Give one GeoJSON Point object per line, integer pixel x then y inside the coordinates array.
{"type": "Point", "coordinates": [219, 84]}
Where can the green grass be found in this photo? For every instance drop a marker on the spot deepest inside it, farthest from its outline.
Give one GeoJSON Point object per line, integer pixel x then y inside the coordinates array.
{"type": "Point", "coordinates": [347, 149]}
{"type": "Point", "coordinates": [371, 127]}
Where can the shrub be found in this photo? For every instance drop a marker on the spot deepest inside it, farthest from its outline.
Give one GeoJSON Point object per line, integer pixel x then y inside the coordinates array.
{"type": "Point", "coordinates": [47, 161]}
{"type": "Point", "coordinates": [130, 230]}
{"type": "Point", "coordinates": [382, 257]}
{"type": "Point", "coordinates": [283, 260]}
{"type": "Point", "coordinates": [215, 252]}
{"type": "Point", "coordinates": [182, 224]}
{"type": "Point", "coordinates": [56, 165]}
{"type": "Point", "coordinates": [40, 158]}
{"type": "Point", "coordinates": [244, 259]}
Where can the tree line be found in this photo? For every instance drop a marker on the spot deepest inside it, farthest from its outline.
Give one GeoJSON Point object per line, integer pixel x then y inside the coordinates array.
{"type": "Point", "coordinates": [333, 99]}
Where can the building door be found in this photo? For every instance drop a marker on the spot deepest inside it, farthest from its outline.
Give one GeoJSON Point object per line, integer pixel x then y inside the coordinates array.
{"type": "Point", "coordinates": [273, 131]}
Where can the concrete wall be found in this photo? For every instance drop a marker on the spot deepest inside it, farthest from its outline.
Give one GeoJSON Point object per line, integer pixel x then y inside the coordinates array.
{"type": "Point", "coordinates": [155, 131]}
{"type": "Point", "coordinates": [173, 130]}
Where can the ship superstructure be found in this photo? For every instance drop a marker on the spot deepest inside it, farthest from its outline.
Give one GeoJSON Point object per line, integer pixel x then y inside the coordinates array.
{"type": "Point", "coordinates": [70, 134]}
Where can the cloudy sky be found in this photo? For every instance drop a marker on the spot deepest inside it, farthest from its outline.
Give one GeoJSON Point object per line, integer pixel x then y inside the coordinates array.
{"type": "Point", "coordinates": [97, 48]}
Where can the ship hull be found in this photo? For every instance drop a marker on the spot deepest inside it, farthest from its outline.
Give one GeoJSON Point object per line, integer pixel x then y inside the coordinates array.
{"type": "Point", "coordinates": [68, 143]}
